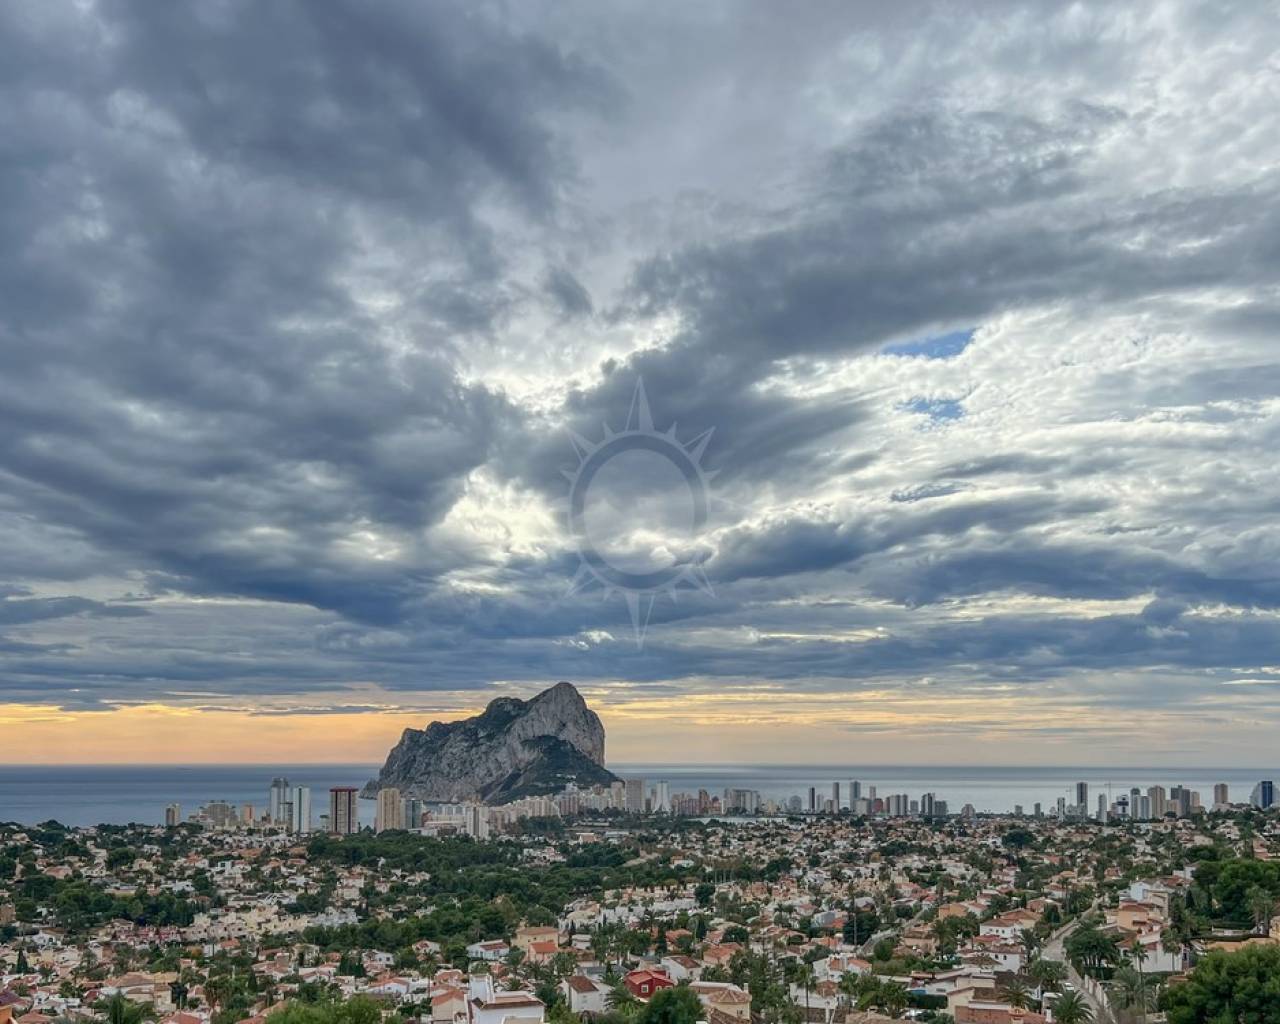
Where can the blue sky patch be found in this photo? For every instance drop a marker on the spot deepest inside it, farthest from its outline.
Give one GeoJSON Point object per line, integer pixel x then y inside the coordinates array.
{"type": "Point", "coordinates": [937, 408]}
{"type": "Point", "coordinates": [942, 346]}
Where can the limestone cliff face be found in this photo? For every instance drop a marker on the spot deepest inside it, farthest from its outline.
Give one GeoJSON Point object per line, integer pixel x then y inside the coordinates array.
{"type": "Point", "coordinates": [515, 748]}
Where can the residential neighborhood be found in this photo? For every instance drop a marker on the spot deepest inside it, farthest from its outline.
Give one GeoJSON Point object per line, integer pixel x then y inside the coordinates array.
{"type": "Point", "coordinates": [827, 919]}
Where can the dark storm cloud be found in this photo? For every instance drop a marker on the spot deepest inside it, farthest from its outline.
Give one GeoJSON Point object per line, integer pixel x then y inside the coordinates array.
{"type": "Point", "coordinates": [568, 292]}
{"type": "Point", "coordinates": [799, 545]}
{"type": "Point", "coordinates": [191, 380]}
{"type": "Point", "coordinates": [37, 608]}
{"type": "Point", "coordinates": [757, 435]}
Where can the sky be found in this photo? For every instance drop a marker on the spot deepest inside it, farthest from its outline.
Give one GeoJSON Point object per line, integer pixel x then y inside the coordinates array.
{"type": "Point", "coordinates": [309, 314]}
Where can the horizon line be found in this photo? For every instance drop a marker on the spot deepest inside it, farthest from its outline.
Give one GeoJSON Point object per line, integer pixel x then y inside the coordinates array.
{"type": "Point", "coordinates": [649, 764]}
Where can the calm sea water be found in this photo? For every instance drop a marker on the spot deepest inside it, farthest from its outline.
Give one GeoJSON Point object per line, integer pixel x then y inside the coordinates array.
{"type": "Point", "coordinates": [119, 794]}
{"type": "Point", "coordinates": [92, 794]}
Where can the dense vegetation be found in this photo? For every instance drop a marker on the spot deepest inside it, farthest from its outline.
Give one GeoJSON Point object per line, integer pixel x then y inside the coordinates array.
{"type": "Point", "coordinates": [1228, 988]}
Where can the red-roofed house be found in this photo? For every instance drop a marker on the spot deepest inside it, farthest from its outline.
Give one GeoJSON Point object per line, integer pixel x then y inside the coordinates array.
{"type": "Point", "coordinates": [644, 983]}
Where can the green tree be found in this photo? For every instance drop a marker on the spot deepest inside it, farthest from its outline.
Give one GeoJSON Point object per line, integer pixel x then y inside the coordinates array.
{"type": "Point", "coordinates": [1232, 884]}
{"type": "Point", "coordinates": [1092, 951]}
{"type": "Point", "coordinates": [351, 965]}
{"type": "Point", "coordinates": [678, 1005]}
{"type": "Point", "coordinates": [120, 1010]}
{"type": "Point", "coordinates": [1129, 991]}
{"type": "Point", "coordinates": [1017, 993]}
{"type": "Point", "coordinates": [1262, 905]}
{"type": "Point", "coordinates": [619, 997]}
{"type": "Point", "coordinates": [894, 998]}
{"type": "Point", "coordinates": [1229, 988]}
{"type": "Point", "coordinates": [1071, 1008]}
{"type": "Point", "coordinates": [119, 857]}
{"type": "Point", "coordinates": [1138, 957]}
{"type": "Point", "coordinates": [848, 986]}
{"type": "Point", "coordinates": [1048, 974]}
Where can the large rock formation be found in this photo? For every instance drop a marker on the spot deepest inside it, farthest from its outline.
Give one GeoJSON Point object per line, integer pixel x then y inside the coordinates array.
{"type": "Point", "coordinates": [515, 748]}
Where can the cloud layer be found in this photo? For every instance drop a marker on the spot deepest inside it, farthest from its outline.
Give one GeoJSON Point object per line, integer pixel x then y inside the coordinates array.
{"type": "Point", "coordinates": [300, 304]}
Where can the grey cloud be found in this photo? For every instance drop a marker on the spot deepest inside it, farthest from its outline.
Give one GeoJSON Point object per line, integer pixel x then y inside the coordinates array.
{"type": "Point", "coordinates": [14, 611]}
{"type": "Point", "coordinates": [1005, 221]}
{"type": "Point", "coordinates": [568, 292]}
{"type": "Point", "coordinates": [273, 278]}
{"type": "Point", "coordinates": [191, 383]}
{"type": "Point", "coordinates": [800, 544]}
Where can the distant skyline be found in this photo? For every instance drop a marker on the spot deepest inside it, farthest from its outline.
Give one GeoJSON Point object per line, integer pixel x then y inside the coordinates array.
{"type": "Point", "coordinates": [305, 310]}
{"type": "Point", "coordinates": [84, 795]}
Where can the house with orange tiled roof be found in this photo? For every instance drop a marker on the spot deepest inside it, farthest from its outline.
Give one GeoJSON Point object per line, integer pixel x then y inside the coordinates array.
{"type": "Point", "coordinates": [184, 1017]}
{"type": "Point", "coordinates": [543, 952]}
{"type": "Point", "coordinates": [448, 1004]}
{"type": "Point", "coordinates": [720, 955]}
{"type": "Point", "coordinates": [726, 998]}
{"type": "Point", "coordinates": [996, 1013]}
{"type": "Point", "coordinates": [529, 934]}
{"type": "Point", "coordinates": [920, 938]}
{"type": "Point", "coordinates": [1011, 924]}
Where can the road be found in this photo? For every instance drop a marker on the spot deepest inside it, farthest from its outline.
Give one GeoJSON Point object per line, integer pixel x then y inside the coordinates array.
{"type": "Point", "coordinates": [1054, 950]}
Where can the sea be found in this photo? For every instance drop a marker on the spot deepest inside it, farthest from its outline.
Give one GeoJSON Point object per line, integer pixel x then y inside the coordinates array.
{"type": "Point", "coordinates": [118, 794]}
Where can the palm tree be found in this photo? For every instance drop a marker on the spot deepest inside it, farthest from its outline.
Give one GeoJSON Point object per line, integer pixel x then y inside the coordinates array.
{"type": "Point", "coordinates": [1128, 991]}
{"type": "Point", "coordinates": [601, 945]}
{"type": "Point", "coordinates": [1048, 974]}
{"type": "Point", "coordinates": [121, 1011]}
{"type": "Point", "coordinates": [216, 992]}
{"type": "Point", "coordinates": [1091, 950]}
{"type": "Point", "coordinates": [1071, 1008]}
{"type": "Point", "coordinates": [563, 964]}
{"type": "Point", "coordinates": [868, 991]}
{"type": "Point", "coordinates": [943, 935]}
{"type": "Point", "coordinates": [1261, 905]}
{"type": "Point", "coordinates": [619, 997]}
{"type": "Point", "coordinates": [805, 979]}
{"type": "Point", "coordinates": [848, 985]}
{"type": "Point", "coordinates": [1017, 994]}
{"type": "Point", "coordinates": [1138, 957]}
{"type": "Point", "coordinates": [893, 998]}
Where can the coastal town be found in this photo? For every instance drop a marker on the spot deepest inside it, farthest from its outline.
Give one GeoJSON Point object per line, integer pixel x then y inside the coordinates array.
{"type": "Point", "coordinates": [823, 918]}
